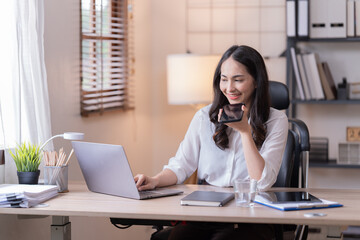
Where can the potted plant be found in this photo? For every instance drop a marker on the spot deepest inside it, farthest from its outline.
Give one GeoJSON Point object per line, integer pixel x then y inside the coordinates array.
{"type": "Point", "coordinates": [27, 158]}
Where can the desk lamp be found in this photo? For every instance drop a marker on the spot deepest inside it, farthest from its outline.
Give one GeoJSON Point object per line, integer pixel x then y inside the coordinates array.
{"type": "Point", "coordinates": [190, 77]}
{"type": "Point", "coordinates": [67, 136]}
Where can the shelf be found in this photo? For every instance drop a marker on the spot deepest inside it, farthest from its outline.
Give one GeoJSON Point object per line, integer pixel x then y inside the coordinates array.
{"type": "Point", "coordinates": [332, 164]}
{"type": "Point", "coordinates": [306, 39]}
{"type": "Point", "coordinates": [350, 101]}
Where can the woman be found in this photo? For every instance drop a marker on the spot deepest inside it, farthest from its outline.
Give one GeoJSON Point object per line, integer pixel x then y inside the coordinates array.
{"type": "Point", "coordinates": [249, 149]}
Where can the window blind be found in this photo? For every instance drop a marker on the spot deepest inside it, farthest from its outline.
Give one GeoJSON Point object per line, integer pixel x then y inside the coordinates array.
{"type": "Point", "coordinates": [107, 55]}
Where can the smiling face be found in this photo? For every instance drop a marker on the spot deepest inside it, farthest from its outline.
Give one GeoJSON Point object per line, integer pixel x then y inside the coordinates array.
{"type": "Point", "coordinates": [236, 83]}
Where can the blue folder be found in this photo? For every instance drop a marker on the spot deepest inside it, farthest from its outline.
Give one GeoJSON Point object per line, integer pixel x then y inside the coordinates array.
{"type": "Point", "coordinates": [265, 198]}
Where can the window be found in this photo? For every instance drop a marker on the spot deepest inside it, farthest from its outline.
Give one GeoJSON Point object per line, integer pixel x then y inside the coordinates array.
{"type": "Point", "coordinates": [107, 56]}
{"type": "Point", "coordinates": [24, 99]}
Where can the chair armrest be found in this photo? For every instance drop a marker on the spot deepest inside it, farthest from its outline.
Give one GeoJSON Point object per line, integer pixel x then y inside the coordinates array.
{"type": "Point", "coordinates": [303, 131]}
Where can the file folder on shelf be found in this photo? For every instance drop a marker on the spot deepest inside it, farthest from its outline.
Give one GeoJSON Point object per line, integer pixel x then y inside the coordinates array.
{"type": "Point", "coordinates": [330, 78]}
{"type": "Point", "coordinates": [337, 18]}
{"type": "Point", "coordinates": [318, 19]}
{"type": "Point", "coordinates": [350, 18]}
{"type": "Point", "coordinates": [357, 18]}
{"type": "Point", "coordinates": [329, 95]}
{"type": "Point", "coordinates": [290, 18]}
{"type": "Point", "coordinates": [303, 16]}
{"type": "Point", "coordinates": [328, 19]}
{"type": "Point", "coordinates": [310, 62]}
{"type": "Point", "coordinates": [304, 77]}
{"type": "Point", "coordinates": [297, 74]}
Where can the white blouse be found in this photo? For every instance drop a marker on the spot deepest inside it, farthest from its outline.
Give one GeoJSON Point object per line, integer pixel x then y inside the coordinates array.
{"type": "Point", "coordinates": [221, 167]}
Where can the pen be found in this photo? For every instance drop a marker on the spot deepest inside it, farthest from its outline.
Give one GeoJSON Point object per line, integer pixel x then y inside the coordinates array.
{"type": "Point", "coordinates": [68, 159]}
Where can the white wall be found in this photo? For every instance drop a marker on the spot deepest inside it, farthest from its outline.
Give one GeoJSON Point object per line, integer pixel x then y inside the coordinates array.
{"type": "Point", "coordinates": [132, 129]}
{"type": "Point", "coordinates": [152, 131]}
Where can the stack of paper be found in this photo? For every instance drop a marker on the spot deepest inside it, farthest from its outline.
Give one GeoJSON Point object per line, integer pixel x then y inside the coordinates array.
{"type": "Point", "coordinates": [24, 195]}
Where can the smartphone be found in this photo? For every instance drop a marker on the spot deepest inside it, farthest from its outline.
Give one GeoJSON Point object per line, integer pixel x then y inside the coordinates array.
{"type": "Point", "coordinates": [232, 113]}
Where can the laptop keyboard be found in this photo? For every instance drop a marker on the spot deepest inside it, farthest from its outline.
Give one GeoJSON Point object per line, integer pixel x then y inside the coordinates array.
{"type": "Point", "coordinates": [147, 193]}
{"type": "Point", "coordinates": [158, 193]}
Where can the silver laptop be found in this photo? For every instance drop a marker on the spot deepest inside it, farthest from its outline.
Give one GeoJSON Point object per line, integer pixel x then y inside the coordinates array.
{"type": "Point", "coordinates": [106, 170]}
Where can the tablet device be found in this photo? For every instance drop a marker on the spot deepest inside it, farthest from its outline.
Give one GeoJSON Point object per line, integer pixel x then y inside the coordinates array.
{"type": "Point", "coordinates": [290, 197]}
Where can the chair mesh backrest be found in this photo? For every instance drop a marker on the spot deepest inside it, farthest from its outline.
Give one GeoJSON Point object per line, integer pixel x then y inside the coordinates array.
{"type": "Point", "coordinates": [279, 95]}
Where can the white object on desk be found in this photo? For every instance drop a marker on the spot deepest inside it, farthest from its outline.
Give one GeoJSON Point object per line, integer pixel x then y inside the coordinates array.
{"type": "Point", "coordinates": [315, 214]}
{"type": "Point", "coordinates": [25, 195]}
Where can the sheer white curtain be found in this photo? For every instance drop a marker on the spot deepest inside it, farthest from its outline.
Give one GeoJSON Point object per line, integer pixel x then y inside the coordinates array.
{"type": "Point", "coordinates": [24, 100]}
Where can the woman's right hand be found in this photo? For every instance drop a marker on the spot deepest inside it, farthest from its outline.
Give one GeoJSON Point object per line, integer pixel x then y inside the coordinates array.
{"type": "Point", "coordinates": [144, 182]}
{"type": "Point", "coordinates": [162, 179]}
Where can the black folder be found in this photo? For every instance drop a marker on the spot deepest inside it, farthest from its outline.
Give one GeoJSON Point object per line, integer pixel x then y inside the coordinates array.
{"type": "Point", "coordinates": [207, 198]}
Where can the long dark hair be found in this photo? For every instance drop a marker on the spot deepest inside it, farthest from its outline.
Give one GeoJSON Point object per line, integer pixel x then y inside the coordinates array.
{"type": "Point", "coordinates": [260, 107]}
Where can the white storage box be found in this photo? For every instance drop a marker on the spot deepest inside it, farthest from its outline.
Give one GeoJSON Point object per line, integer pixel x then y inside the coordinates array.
{"type": "Point", "coordinates": [354, 90]}
{"type": "Point", "coordinates": [349, 153]}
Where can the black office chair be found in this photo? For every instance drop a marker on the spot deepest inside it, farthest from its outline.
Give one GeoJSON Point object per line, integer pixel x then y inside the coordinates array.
{"type": "Point", "coordinates": [297, 144]}
{"type": "Point", "coordinates": [295, 158]}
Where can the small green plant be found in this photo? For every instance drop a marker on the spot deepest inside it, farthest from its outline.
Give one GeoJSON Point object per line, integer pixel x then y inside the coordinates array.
{"type": "Point", "coordinates": [27, 157]}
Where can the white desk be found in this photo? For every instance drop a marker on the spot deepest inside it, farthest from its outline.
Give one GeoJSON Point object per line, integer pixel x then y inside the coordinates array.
{"type": "Point", "coordinates": [80, 202]}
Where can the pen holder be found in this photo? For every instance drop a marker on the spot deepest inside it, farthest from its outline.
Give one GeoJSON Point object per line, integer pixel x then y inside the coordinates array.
{"type": "Point", "coordinates": [57, 175]}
